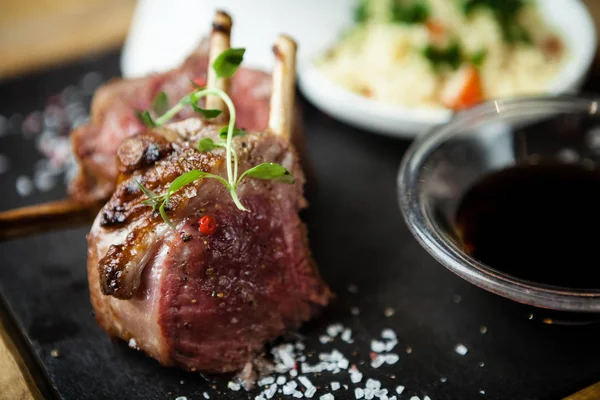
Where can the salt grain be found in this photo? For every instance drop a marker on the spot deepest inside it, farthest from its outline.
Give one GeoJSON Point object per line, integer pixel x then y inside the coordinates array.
{"type": "Point", "coordinates": [270, 392]}
{"type": "Point", "coordinates": [443, 380]}
{"type": "Point", "coordinates": [482, 364]}
{"type": "Point", "coordinates": [280, 380]}
{"type": "Point", "coordinates": [310, 392]}
{"type": "Point", "coordinates": [298, 394]}
{"type": "Point", "coordinates": [181, 398]}
{"type": "Point", "coordinates": [388, 312]}
{"type": "Point", "coordinates": [335, 386]}
{"type": "Point", "coordinates": [461, 349]}
{"type": "Point", "coordinates": [347, 336]}
{"type": "Point", "coordinates": [388, 334]}
{"type": "Point", "coordinates": [377, 346]}
{"type": "Point", "coordinates": [391, 358]}
{"type": "Point", "coordinates": [483, 329]}
{"type": "Point", "coordinates": [378, 361]}
{"type": "Point", "coordinates": [327, 396]}
{"type": "Point", "coordinates": [233, 386]}
{"type": "Point", "coordinates": [399, 389]}
{"type": "Point", "coordinates": [389, 346]}
{"type": "Point", "coordinates": [268, 380]}
{"type": "Point", "coordinates": [414, 398]}
{"type": "Point", "coordinates": [132, 343]}
{"type": "Point", "coordinates": [359, 393]}
{"type": "Point", "coordinates": [482, 391]}
{"type": "Point", "coordinates": [206, 396]}
{"type": "Point", "coordinates": [24, 186]}
{"type": "Point", "coordinates": [373, 384]}
{"type": "Point", "coordinates": [324, 339]}
{"type": "Point", "coordinates": [305, 381]}
{"type": "Point", "coordinates": [334, 330]}
{"type": "Point", "coordinates": [54, 353]}
{"type": "Point", "coordinates": [355, 375]}
{"type": "Point", "coordinates": [427, 398]}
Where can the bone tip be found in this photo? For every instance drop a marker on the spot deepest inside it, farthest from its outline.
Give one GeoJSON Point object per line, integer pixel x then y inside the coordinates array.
{"type": "Point", "coordinates": [285, 46]}
{"type": "Point", "coordinates": [222, 22]}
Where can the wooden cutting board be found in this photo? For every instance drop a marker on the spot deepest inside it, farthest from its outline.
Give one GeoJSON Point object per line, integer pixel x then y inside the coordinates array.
{"type": "Point", "coordinates": [36, 34]}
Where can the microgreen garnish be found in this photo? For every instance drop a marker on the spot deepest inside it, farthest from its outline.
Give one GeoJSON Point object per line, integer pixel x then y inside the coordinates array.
{"type": "Point", "coordinates": [415, 12]}
{"type": "Point", "coordinates": [450, 56]}
{"type": "Point", "coordinates": [236, 132]}
{"type": "Point", "coordinates": [160, 104]}
{"type": "Point", "coordinates": [478, 58]}
{"type": "Point", "coordinates": [228, 62]}
{"type": "Point", "coordinates": [361, 12]}
{"type": "Point", "coordinates": [207, 144]}
{"type": "Point", "coordinates": [146, 118]}
{"type": "Point", "coordinates": [225, 65]}
{"type": "Point", "coordinates": [506, 14]}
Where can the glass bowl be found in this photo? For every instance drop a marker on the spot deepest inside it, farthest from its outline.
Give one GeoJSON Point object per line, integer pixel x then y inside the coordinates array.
{"type": "Point", "coordinates": [439, 167]}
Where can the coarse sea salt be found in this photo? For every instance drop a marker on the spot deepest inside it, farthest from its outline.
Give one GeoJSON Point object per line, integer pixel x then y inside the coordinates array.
{"type": "Point", "coordinates": [234, 386]}
{"type": "Point", "coordinates": [280, 380]}
{"type": "Point", "coordinates": [399, 389]}
{"type": "Point", "coordinates": [335, 386]}
{"type": "Point", "coordinates": [270, 392]}
{"type": "Point", "coordinates": [181, 398]}
{"type": "Point", "coordinates": [377, 346]}
{"type": "Point", "coordinates": [266, 381]}
{"type": "Point", "coordinates": [461, 349]}
{"type": "Point", "coordinates": [206, 396]}
{"type": "Point", "coordinates": [355, 375]}
{"type": "Point", "coordinates": [327, 396]}
{"type": "Point", "coordinates": [359, 393]}
{"type": "Point", "coordinates": [24, 186]}
{"type": "Point", "coordinates": [310, 392]}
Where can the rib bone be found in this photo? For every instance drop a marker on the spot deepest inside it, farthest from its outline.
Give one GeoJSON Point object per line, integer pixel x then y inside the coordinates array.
{"type": "Point", "coordinates": [220, 38]}
{"type": "Point", "coordinates": [284, 84]}
{"type": "Point", "coordinates": [40, 218]}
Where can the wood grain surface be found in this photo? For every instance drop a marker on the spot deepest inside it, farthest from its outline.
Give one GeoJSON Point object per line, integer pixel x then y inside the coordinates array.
{"type": "Point", "coordinates": [36, 34]}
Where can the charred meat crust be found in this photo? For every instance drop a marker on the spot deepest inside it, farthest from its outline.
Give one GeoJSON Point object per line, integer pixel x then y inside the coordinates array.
{"type": "Point", "coordinates": [142, 151]}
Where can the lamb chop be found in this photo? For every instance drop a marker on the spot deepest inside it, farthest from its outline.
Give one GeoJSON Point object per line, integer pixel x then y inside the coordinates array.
{"type": "Point", "coordinates": [204, 281]}
{"type": "Point", "coordinates": [113, 119]}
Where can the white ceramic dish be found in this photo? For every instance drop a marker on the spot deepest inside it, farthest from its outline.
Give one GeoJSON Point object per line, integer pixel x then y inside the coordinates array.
{"type": "Point", "coordinates": [570, 17]}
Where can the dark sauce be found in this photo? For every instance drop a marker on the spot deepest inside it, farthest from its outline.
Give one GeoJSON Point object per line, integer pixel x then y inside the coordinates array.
{"type": "Point", "coordinates": [536, 222]}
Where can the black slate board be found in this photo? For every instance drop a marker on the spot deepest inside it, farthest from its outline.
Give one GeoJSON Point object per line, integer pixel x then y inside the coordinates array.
{"type": "Point", "coordinates": [357, 236]}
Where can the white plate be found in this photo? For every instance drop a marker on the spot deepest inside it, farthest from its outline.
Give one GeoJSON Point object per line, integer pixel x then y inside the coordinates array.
{"type": "Point", "coordinates": [571, 19]}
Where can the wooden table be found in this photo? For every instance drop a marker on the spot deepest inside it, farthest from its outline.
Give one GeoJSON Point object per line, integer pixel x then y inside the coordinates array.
{"type": "Point", "coordinates": [35, 34]}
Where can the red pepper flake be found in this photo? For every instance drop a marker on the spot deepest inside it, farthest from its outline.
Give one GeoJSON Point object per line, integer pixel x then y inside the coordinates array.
{"type": "Point", "coordinates": [208, 225]}
{"type": "Point", "coordinates": [373, 356]}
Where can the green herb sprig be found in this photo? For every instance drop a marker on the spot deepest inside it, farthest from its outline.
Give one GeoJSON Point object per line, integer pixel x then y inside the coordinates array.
{"type": "Point", "coordinates": [225, 66]}
{"type": "Point", "coordinates": [506, 14]}
{"type": "Point", "coordinates": [415, 12]}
